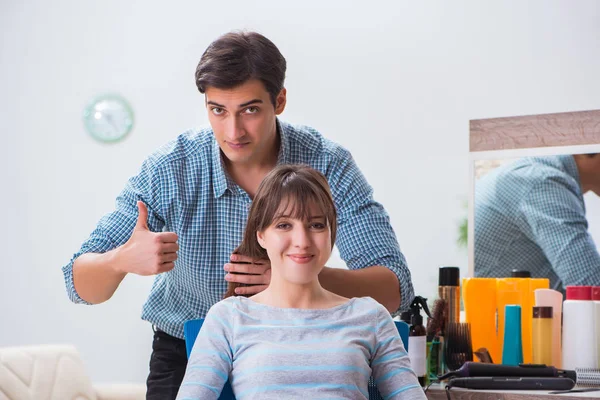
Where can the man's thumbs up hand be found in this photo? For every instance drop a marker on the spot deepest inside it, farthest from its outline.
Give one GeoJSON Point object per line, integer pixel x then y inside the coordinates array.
{"type": "Point", "coordinates": [147, 252]}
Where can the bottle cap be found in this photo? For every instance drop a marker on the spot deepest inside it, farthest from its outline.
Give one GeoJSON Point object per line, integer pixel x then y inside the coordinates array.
{"type": "Point", "coordinates": [579, 292]}
{"type": "Point", "coordinates": [449, 276]}
{"type": "Point", "coordinates": [542, 312]}
{"type": "Point", "coordinates": [595, 292]}
{"type": "Point", "coordinates": [517, 273]}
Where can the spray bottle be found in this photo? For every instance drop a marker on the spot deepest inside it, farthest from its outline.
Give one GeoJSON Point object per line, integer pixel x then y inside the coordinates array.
{"type": "Point", "coordinates": [417, 350]}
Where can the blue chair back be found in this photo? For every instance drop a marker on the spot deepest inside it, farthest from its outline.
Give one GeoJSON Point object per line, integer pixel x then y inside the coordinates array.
{"type": "Point", "coordinates": [192, 327]}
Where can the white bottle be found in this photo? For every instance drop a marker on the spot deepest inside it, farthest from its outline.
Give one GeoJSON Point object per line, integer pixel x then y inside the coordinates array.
{"type": "Point", "coordinates": [579, 329]}
{"type": "Point", "coordinates": [553, 298]}
{"type": "Point", "coordinates": [596, 300]}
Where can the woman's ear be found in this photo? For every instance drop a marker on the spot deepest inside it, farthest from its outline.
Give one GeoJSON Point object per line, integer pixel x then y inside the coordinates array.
{"type": "Point", "coordinates": [261, 240]}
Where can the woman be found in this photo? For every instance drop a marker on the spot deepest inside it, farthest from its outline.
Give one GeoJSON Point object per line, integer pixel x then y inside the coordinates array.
{"type": "Point", "coordinates": [296, 339]}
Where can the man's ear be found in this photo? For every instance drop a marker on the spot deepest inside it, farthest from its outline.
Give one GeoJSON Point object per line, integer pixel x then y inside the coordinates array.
{"type": "Point", "coordinates": [280, 101]}
{"type": "Point", "coordinates": [261, 240]}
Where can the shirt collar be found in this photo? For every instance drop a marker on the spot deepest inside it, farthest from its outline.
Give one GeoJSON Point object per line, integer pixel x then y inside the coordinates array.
{"type": "Point", "coordinates": [284, 143]}
{"type": "Point", "coordinates": [218, 170]}
{"type": "Point", "coordinates": [222, 182]}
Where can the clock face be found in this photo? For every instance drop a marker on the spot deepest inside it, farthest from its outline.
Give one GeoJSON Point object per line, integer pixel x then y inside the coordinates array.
{"type": "Point", "coordinates": [108, 118]}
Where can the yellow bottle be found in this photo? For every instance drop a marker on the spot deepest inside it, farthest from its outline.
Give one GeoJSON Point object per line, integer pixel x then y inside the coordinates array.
{"type": "Point", "coordinates": [534, 283]}
{"type": "Point", "coordinates": [542, 335]}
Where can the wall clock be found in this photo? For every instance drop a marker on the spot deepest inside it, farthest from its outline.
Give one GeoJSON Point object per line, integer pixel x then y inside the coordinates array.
{"type": "Point", "coordinates": [108, 118]}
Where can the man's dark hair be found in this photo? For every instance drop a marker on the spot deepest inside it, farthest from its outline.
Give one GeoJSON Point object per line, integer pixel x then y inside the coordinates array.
{"type": "Point", "coordinates": [237, 57]}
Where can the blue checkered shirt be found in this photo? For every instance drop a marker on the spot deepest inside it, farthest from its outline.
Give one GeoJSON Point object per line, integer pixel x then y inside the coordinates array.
{"type": "Point", "coordinates": [530, 215]}
{"type": "Point", "coordinates": [187, 191]}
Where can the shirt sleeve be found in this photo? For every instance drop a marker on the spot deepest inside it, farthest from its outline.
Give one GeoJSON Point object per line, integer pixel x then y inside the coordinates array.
{"type": "Point", "coordinates": [390, 364]}
{"type": "Point", "coordinates": [365, 236]}
{"type": "Point", "coordinates": [115, 228]}
{"type": "Point", "coordinates": [553, 216]}
{"type": "Point", "coordinates": [211, 358]}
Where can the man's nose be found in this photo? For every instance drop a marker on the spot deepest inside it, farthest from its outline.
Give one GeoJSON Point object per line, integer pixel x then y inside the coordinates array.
{"type": "Point", "coordinates": [234, 130]}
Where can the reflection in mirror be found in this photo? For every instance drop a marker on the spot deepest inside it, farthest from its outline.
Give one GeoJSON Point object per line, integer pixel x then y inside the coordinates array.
{"type": "Point", "coordinates": [537, 214]}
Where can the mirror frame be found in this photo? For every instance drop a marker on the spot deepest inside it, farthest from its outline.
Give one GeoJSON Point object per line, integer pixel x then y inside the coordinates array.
{"type": "Point", "coordinates": [526, 136]}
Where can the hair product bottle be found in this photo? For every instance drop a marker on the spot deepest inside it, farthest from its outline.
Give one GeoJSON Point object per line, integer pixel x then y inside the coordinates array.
{"type": "Point", "coordinates": [542, 335]}
{"type": "Point", "coordinates": [553, 298]}
{"type": "Point", "coordinates": [449, 290]}
{"type": "Point", "coordinates": [417, 351]}
{"type": "Point", "coordinates": [596, 300]}
{"type": "Point", "coordinates": [479, 300]}
{"type": "Point", "coordinates": [579, 329]}
{"type": "Point", "coordinates": [512, 348]}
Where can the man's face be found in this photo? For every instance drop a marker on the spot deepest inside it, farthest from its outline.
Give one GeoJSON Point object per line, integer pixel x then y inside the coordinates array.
{"type": "Point", "coordinates": [243, 120]}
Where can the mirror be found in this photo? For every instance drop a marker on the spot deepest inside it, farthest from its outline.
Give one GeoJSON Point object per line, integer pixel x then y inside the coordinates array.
{"type": "Point", "coordinates": [528, 207]}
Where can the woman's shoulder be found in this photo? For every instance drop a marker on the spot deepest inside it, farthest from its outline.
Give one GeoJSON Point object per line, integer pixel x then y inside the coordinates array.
{"type": "Point", "coordinates": [368, 303]}
{"type": "Point", "coordinates": [367, 309]}
{"type": "Point", "coordinates": [224, 307]}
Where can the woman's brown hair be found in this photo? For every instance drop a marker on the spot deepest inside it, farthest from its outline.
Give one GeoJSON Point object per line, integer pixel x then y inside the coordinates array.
{"type": "Point", "coordinates": [298, 186]}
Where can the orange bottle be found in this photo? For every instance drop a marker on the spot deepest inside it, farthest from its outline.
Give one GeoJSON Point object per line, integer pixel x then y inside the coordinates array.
{"type": "Point", "coordinates": [479, 300]}
{"type": "Point", "coordinates": [519, 291]}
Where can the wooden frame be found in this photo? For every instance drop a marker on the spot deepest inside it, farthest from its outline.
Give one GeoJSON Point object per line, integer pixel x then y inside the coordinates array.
{"type": "Point", "coordinates": [544, 130]}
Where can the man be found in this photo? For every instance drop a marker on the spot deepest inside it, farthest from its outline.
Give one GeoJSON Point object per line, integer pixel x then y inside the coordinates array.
{"type": "Point", "coordinates": [530, 215]}
{"type": "Point", "coordinates": [182, 216]}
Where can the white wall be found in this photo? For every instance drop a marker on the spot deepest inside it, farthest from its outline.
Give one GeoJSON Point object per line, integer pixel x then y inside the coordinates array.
{"type": "Point", "coordinates": [395, 82]}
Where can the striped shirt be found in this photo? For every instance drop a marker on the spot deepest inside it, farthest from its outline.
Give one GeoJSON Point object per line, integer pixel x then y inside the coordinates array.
{"type": "Point", "coordinates": [188, 192]}
{"type": "Point", "coordinates": [530, 215]}
{"type": "Point", "coordinates": [284, 353]}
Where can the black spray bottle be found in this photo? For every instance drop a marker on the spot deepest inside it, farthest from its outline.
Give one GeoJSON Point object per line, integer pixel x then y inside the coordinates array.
{"type": "Point", "coordinates": [417, 342]}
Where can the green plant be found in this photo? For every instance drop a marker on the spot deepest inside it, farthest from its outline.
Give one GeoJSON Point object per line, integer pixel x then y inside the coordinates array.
{"type": "Point", "coordinates": [463, 230]}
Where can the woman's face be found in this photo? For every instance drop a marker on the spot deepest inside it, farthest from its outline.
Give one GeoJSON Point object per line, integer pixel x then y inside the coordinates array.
{"type": "Point", "coordinates": [298, 249]}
